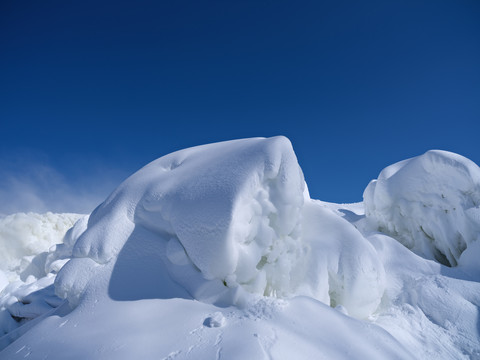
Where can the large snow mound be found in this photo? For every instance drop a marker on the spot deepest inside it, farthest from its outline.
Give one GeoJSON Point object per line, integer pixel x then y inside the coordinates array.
{"type": "Point", "coordinates": [231, 210]}
{"type": "Point", "coordinates": [226, 219]}
{"type": "Point", "coordinates": [429, 203]}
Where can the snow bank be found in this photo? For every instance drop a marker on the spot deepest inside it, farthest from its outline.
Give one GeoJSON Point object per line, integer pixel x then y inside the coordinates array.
{"type": "Point", "coordinates": [430, 203]}
{"type": "Point", "coordinates": [229, 218]}
{"type": "Point", "coordinates": [231, 210]}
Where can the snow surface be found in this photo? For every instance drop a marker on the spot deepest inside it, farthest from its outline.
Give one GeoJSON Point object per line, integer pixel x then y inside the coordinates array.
{"type": "Point", "coordinates": [24, 235]}
{"type": "Point", "coordinates": [218, 251]}
{"type": "Point", "coordinates": [430, 204]}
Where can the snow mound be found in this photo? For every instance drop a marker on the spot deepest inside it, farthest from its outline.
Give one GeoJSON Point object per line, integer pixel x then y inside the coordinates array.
{"type": "Point", "coordinates": [223, 221]}
{"type": "Point", "coordinates": [231, 210]}
{"type": "Point", "coordinates": [429, 203]}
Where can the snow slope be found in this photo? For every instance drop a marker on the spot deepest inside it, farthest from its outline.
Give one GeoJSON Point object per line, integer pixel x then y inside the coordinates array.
{"type": "Point", "coordinates": [218, 251]}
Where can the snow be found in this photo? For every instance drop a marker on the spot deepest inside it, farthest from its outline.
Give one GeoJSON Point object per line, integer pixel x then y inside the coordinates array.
{"type": "Point", "coordinates": [23, 235]}
{"type": "Point", "coordinates": [344, 268]}
{"type": "Point", "coordinates": [233, 207]}
{"type": "Point", "coordinates": [430, 204]}
{"type": "Point", "coordinates": [218, 251]}
{"type": "Point", "coordinates": [28, 265]}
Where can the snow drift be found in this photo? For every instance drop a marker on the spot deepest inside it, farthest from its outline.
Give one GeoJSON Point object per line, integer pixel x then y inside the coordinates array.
{"type": "Point", "coordinates": [429, 203]}
{"type": "Point", "coordinates": [219, 251]}
{"type": "Point", "coordinates": [230, 215]}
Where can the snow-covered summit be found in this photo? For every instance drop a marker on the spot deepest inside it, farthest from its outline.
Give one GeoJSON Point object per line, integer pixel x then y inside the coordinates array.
{"type": "Point", "coordinates": [218, 251]}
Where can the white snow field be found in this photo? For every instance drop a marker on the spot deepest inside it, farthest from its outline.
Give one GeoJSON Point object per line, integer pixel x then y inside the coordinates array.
{"type": "Point", "coordinates": [218, 252]}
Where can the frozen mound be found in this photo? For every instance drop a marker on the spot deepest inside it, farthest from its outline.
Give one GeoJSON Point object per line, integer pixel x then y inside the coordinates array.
{"type": "Point", "coordinates": [230, 210]}
{"type": "Point", "coordinates": [220, 222]}
{"type": "Point", "coordinates": [429, 203]}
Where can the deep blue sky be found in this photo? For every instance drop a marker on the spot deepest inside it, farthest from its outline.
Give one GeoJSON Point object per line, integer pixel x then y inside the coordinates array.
{"type": "Point", "coordinates": [90, 91]}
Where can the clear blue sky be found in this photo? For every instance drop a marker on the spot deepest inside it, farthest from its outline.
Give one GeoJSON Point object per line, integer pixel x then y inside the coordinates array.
{"type": "Point", "coordinates": [91, 91]}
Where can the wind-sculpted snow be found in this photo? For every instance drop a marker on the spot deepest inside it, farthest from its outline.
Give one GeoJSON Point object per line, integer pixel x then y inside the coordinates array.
{"type": "Point", "coordinates": [218, 251]}
{"type": "Point", "coordinates": [232, 213]}
{"type": "Point", "coordinates": [344, 268]}
{"type": "Point", "coordinates": [234, 207]}
{"type": "Point", "coordinates": [430, 204]}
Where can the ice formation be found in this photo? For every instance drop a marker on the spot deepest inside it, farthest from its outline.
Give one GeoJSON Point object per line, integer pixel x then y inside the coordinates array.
{"type": "Point", "coordinates": [220, 252]}
{"type": "Point", "coordinates": [233, 211]}
{"type": "Point", "coordinates": [24, 235]}
{"type": "Point", "coordinates": [429, 203]}
{"type": "Point", "coordinates": [28, 264]}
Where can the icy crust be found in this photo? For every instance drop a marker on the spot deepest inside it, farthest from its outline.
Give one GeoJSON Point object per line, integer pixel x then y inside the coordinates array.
{"type": "Point", "coordinates": [429, 203]}
{"type": "Point", "coordinates": [231, 210]}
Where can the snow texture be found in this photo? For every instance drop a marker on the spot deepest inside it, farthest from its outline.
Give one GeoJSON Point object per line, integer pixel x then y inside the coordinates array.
{"type": "Point", "coordinates": [23, 235]}
{"type": "Point", "coordinates": [429, 203]}
{"type": "Point", "coordinates": [29, 262]}
{"type": "Point", "coordinates": [218, 251]}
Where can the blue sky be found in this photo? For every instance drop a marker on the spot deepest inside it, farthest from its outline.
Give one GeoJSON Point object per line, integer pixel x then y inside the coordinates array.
{"type": "Point", "coordinates": [91, 91]}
